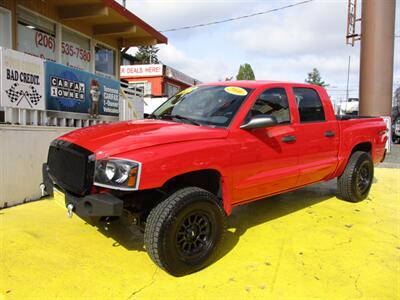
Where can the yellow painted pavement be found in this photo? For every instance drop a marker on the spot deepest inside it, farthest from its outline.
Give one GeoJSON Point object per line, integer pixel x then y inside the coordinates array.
{"type": "Point", "coordinates": [301, 245]}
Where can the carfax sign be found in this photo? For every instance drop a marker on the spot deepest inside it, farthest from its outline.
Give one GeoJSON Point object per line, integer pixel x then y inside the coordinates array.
{"type": "Point", "coordinates": [21, 80]}
{"type": "Point", "coordinates": [72, 90]}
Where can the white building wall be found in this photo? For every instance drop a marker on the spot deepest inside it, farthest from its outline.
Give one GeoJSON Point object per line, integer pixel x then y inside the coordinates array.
{"type": "Point", "coordinates": [23, 149]}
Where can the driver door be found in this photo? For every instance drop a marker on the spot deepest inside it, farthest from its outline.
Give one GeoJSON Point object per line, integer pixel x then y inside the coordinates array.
{"type": "Point", "coordinates": [266, 159]}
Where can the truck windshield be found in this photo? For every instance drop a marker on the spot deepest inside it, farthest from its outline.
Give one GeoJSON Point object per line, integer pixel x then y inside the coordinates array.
{"type": "Point", "coordinates": [213, 106]}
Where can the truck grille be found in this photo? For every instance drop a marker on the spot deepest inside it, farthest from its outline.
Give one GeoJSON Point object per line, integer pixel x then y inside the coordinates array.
{"type": "Point", "coordinates": [70, 167]}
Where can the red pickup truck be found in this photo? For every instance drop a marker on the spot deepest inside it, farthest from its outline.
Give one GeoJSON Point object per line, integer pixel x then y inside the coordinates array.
{"type": "Point", "coordinates": [205, 150]}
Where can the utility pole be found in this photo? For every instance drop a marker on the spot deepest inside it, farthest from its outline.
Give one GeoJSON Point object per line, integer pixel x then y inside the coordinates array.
{"type": "Point", "coordinates": [348, 79]}
{"type": "Point", "coordinates": [376, 62]}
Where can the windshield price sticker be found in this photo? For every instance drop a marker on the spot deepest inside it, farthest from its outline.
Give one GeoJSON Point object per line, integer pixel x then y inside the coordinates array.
{"type": "Point", "coordinates": [187, 91]}
{"type": "Point", "coordinates": [234, 90]}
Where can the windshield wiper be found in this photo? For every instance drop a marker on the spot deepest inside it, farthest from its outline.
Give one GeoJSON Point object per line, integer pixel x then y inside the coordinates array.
{"type": "Point", "coordinates": [181, 118]}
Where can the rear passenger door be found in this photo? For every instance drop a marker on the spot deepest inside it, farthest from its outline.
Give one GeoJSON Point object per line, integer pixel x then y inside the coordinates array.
{"type": "Point", "coordinates": [265, 158]}
{"type": "Point", "coordinates": [318, 137]}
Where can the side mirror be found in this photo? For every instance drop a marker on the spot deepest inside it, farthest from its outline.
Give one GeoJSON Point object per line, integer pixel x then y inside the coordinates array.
{"type": "Point", "coordinates": [260, 121]}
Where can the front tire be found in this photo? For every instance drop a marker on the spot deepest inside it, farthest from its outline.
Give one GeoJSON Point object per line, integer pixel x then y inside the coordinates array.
{"type": "Point", "coordinates": [184, 232]}
{"type": "Point", "coordinates": [355, 182]}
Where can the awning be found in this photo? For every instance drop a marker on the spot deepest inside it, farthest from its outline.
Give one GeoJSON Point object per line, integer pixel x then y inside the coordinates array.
{"type": "Point", "coordinates": [108, 21]}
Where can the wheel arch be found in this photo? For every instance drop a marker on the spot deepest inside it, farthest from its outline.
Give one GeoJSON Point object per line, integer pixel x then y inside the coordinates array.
{"type": "Point", "coordinates": [211, 180]}
{"type": "Point", "coordinates": [364, 146]}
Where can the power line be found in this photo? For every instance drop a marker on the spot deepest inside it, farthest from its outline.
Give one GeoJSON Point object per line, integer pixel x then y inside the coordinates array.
{"type": "Point", "coordinates": [236, 18]}
{"type": "Point", "coordinates": [340, 91]}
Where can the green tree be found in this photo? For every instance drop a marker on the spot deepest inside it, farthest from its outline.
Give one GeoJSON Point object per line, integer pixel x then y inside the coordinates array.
{"type": "Point", "coordinates": [245, 73]}
{"type": "Point", "coordinates": [147, 55]}
{"type": "Point", "coordinates": [314, 77]}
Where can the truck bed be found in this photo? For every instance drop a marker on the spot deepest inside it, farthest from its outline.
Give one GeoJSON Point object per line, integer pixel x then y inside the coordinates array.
{"type": "Point", "coordinates": [350, 117]}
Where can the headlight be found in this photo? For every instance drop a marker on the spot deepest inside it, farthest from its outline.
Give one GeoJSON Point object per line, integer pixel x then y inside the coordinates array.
{"type": "Point", "coordinates": [117, 174]}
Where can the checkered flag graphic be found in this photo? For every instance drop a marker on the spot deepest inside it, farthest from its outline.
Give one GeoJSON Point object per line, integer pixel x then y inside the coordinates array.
{"type": "Point", "coordinates": [12, 94]}
{"type": "Point", "coordinates": [34, 96]}
{"type": "Point", "coordinates": [31, 96]}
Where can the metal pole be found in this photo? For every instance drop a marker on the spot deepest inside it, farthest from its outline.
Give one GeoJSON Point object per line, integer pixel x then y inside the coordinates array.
{"type": "Point", "coordinates": [348, 79]}
{"type": "Point", "coordinates": [376, 62]}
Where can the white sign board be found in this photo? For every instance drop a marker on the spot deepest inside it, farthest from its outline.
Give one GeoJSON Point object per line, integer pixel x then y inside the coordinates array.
{"type": "Point", "coordinates": [151, 104]}
{"type": "Point", "coordinates": [22, 80]}
{"type": "Point", "coordinates": [141, 71]}
{"type": "Point", "coordinates": [388, 121]}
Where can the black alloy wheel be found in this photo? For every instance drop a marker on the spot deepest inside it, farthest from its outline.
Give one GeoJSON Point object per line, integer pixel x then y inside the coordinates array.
{"type": "Point", "coordinates": [364, 177]}
{"type": "Point", "coordinates": [355, 182]}
{"type": "Point", "coordinates": [183, 233]}
{"type": "Point", "coordinates": [194, 234]}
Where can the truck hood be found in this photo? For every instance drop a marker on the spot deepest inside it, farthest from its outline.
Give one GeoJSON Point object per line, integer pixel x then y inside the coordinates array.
{"type": "Point", "coordinates": [112, 139]}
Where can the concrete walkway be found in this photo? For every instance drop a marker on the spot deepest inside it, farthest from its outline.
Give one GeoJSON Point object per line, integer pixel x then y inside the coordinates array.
{"type": "Point", "coordinates": [301, 245]}
{"type": "Point", "coordinates": [392, 160]}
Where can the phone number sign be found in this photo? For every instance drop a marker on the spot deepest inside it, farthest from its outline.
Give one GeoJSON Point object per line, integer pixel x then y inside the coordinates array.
{"type": "Point", "coordinates": [36, 43]}
{"type": "Point", "coordinates": [75, 56]}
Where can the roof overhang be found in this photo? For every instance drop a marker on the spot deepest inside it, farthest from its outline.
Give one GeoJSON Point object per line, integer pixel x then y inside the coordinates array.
{"type": "Point", "coordinates": [108, 20]}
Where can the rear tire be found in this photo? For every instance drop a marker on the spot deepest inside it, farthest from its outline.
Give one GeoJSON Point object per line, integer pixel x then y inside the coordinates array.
{"type": "Point", "coordinates": [355, 182]}
{"type": "Point", "coordinates": [183, 233]}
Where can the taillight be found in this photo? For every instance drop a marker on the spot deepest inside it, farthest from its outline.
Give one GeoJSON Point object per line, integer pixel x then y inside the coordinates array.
{"type": "Point", "coordinates": [382, 132]}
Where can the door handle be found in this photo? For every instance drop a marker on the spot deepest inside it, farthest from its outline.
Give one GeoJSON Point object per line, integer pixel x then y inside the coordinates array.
{"type": "Point", "coordinates": [289, 139]}
{"type": "Point", "coordinates": [329, 133]}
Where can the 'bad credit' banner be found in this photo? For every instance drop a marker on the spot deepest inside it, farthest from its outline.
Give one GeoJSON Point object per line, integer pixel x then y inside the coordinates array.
{"type": "Point", "coordinates": [21, 80]}
{"type": "Point", "coordinates": [72, 90]}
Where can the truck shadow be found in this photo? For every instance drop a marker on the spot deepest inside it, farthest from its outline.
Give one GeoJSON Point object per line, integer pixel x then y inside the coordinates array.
{"type": "Point", "coordinates": [266, 210]}
{"type": "Point", "coordinates": [242, 218]}
{"type": "Point", "coordinates": [123, 235]}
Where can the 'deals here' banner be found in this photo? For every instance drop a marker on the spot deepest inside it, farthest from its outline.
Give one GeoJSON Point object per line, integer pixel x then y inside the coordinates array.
{"type": "Point", "coordinates": [72, 90]}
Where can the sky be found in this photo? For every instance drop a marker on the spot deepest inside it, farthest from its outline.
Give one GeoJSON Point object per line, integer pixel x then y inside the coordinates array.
{"type": "Point", "coordinates": [283, 45]}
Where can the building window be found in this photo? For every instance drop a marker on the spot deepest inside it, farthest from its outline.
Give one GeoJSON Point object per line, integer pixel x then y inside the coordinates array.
{"type": "Point", "coordinates": [141, 86]}
{"type": "Point", "coordinates": [36, 36]}
{"type": "Point", "coordinates": [171, 89]}
{"type": "Point", "coordinates": [105, 60]}
{"type": "Point", "coordinates": [5, 25]}
{"type": "Point", "coordinates": [75, 50]}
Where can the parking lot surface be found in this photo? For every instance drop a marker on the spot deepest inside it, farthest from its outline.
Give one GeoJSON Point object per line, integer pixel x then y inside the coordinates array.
{"type": "Point", "coordinates": [392, 159]}
{"type": "Point", "coordinates": [300, 245]}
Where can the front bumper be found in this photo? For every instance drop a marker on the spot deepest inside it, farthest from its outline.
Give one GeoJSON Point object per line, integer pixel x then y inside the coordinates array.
{"type": "Point", "coordinates": [97, 205]}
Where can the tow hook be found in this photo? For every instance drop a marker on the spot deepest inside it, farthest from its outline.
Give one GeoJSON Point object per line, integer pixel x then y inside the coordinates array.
{"type": "Point", "coordinates": [106, 223]}
{"type": "Point", "coordinates": [42, 189]}
{"type": "Point", "coordinates": [70, 208]}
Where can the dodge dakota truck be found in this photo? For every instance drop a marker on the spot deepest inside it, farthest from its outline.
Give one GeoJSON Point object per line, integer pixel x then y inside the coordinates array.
{"type": "Point", "coordinates": [209, 148]}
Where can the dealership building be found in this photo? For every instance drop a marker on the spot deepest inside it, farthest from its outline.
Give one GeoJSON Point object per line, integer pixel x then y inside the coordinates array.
{"type": "Point", "coordinates": [59, 69]}
{"type": "Point", "coordinates": [78, 42]}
